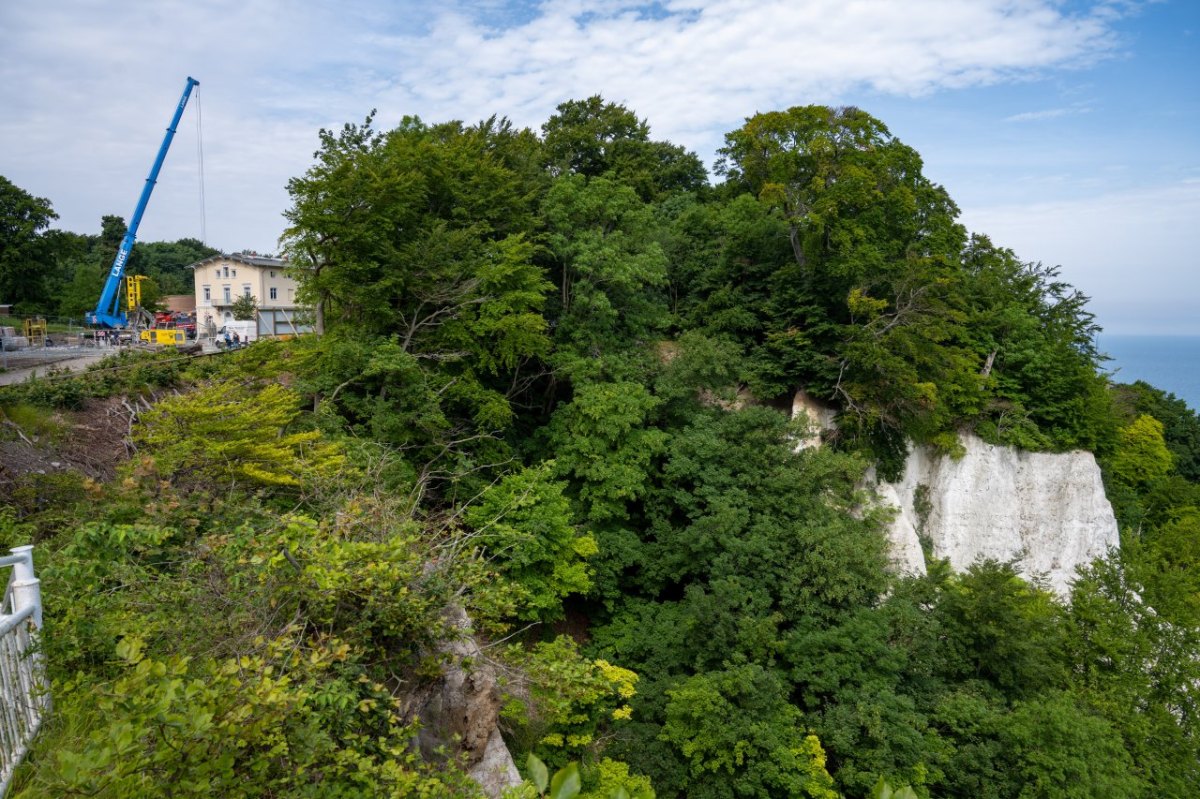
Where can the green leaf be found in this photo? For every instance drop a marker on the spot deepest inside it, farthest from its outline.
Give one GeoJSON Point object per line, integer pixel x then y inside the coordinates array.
{"type": "Point", "coordinates": [537, 772]}
{"type": "Point", "coordinates": [130, 649]}
{"type": "Point", "coordinates": [566, 783]}
{"type": "Point", "coordinates": [619, 793]}
{"type": "Point", "coordinates": [881, 790]}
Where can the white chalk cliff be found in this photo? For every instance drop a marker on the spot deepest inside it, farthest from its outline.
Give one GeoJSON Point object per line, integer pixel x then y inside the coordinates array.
{"type": "Point", "coordinates": [1047, 511]}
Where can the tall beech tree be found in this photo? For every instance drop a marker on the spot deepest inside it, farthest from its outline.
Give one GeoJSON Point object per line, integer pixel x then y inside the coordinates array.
{"type": "Point", "coordinates": [416, 243]}
{"type": "Point", "coordinates": [595, 138]}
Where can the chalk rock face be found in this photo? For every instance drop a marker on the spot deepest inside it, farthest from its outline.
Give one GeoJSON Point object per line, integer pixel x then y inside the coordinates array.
{"type": "Point", "coordinates": [1047, 511]}
{"type": "Point", "coordinates": [459, 713]}
{"type": "Point", "coordinates": [821, 418]}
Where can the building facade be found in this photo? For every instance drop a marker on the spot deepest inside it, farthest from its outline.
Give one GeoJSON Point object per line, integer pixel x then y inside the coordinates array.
{"type": "Point", "coordinates": [221, 279]}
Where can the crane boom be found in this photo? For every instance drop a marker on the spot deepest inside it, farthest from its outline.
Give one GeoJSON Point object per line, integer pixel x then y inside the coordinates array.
{"type": "Point", "coordinates": [107, 313]}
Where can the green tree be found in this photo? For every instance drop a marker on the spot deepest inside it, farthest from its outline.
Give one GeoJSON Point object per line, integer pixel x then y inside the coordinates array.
{"type": "Point", "coordinates": [1059, 748]}
{"type": "Point", "coordinates": [1168, 565]}
{"type": "Point", "coordinates": [724, 258]}
{"type": "Point", "coordinates": [739, 543]}
{"type": "Point", "coordinates": [1141, 455]}
{"type": "Point", "coordinates": [413, 247]}
{"type": "Point", "coordinates": [606, 445]}
{"type": "Point", "coordinates": [737, 503]}
{"type": "Point", "coordinates": [864, 680]}
{"type": "Point", "coordinates": [854, 198]}
{"type": "Point", "coordinates": [1138, 669]}
{"type": "Point", "coordinates": [83, 292]}
{"type": "Point", "coordinates": [24, 256]}
{"type": "Point", "coordinates": [867, 310]}
{"type": "Point", "coordinates": [593, 138]}
{"type": "Point", "coordinates": [1181, 426]}
{"type": "Point", "coordinates": [739, 736]}
{"type": "Point", "coordinates": [391, 230]}
{"type": "Point", "coordinates": [998, 628]}
{"type": "Point", "coordinates": [610, 270]}
{"type": "Point", "coordinates": [168, 262]}
{"type": "Point", "coordinates": [245, 307]}
{"type": "Point", "coordinates": [524, 521]}
{"type": "Point", "coordinates": [1037, 343]}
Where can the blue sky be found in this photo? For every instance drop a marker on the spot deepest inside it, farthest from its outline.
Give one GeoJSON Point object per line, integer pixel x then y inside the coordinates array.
{"type": "Point", "coordinates": [1068, 131]}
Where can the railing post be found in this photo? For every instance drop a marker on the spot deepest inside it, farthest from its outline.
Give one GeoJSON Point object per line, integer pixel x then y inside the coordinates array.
{"type": "Point", "coordinates": [26, 587]}
{"type": "Point", "coordinates": [24, 695]}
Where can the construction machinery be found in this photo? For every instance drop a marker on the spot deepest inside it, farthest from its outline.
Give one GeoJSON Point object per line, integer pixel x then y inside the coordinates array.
{"type": "Point", "coordinates": [34, 329]}
{"type": "Point", "coordinates": [108, 313]}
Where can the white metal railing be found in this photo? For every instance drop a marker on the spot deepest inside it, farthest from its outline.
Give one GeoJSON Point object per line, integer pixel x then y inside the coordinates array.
{"type": "Point", "coordinates": [24, 697]}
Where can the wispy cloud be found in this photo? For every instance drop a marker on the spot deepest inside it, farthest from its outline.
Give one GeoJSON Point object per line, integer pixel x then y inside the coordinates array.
{"type": "Point", "coordinates": [1049, 113]}
{"type": "Point", "coordinates": [87, 87]}
{"type": "Point", "coordinates": [705, 65]}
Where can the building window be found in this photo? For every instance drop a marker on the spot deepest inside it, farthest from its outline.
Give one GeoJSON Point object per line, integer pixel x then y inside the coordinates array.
{"type": "Point", "coordinates": [234, 273]}
{"type": "Point", "coordinates": [246, 289]}
{"type": "Point", "coordinates": [207, 294]}
{"type": "Point", "coordinates": [274, 293]}
{"type": "Point", "coordinates": [227, 297]}
{"type": "Point", "coordinates": [272, 273]}
{"type": "Point", "coordinates": [227, 271]}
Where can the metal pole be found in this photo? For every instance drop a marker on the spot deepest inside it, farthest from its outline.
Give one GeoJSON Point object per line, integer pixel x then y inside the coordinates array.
{"type": "Point", "coordinates": [26, 587]}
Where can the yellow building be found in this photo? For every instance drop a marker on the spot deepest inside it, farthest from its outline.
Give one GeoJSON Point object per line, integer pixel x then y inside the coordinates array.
{"type": "Point", "coordinates": [221, 279]}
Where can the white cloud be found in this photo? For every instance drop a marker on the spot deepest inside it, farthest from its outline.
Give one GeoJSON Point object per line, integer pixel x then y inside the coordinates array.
{"type": "Point", "coordinates": [707, 65]}
{"type": "Point", "coordinates": [87, 87]}
{"type": "Point", "coordinates": [1049, 113]}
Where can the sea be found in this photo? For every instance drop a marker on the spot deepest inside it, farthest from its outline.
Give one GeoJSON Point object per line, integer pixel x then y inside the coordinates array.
{"type": "Point", "coordinates": [1171, 363]}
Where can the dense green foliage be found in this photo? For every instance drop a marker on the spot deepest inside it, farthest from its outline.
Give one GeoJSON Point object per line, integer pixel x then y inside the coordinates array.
{"type": "Point", "coordinates": [23, 249]}
{"type": "Point", "coordinates": [547, 389]}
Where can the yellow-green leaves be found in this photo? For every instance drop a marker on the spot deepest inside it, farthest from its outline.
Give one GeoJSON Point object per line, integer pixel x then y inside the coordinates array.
{"type": "Point", "coordinates": [567, 702]}
{"type": "Point", "coordinates": [228, 434]}
{"type": "Point", "coordinates": [735, 727]}
{"type": "Point", "coordinates": [1142, 455]}
{"type": "Point", "coordinates": [864, 308]}
{"type": "Point", "coordinates": [291, 719]}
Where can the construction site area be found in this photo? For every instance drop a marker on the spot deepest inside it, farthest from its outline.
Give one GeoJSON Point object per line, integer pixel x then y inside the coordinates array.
{"type": "Point", "coordinates": [223, 311]}
{"type": "Point", "coordinates": [30, 350]}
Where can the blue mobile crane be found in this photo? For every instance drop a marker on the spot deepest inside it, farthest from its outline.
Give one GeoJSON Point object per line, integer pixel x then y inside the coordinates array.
{"type": "Point", "coordinates": [108, 313]}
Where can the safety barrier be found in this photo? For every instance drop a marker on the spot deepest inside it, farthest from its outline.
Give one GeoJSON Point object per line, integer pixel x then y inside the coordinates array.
{"type": "Point", "coordinates": [24, 694]}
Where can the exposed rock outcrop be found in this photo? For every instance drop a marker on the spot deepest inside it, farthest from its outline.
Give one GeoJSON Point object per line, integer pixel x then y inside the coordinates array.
{"type": "Point", "coordinates": [459, 713]}
{"type": "Point", "coordinates": [1047, 511]}
{"type": "Point", "coordinates": [821, 418]}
